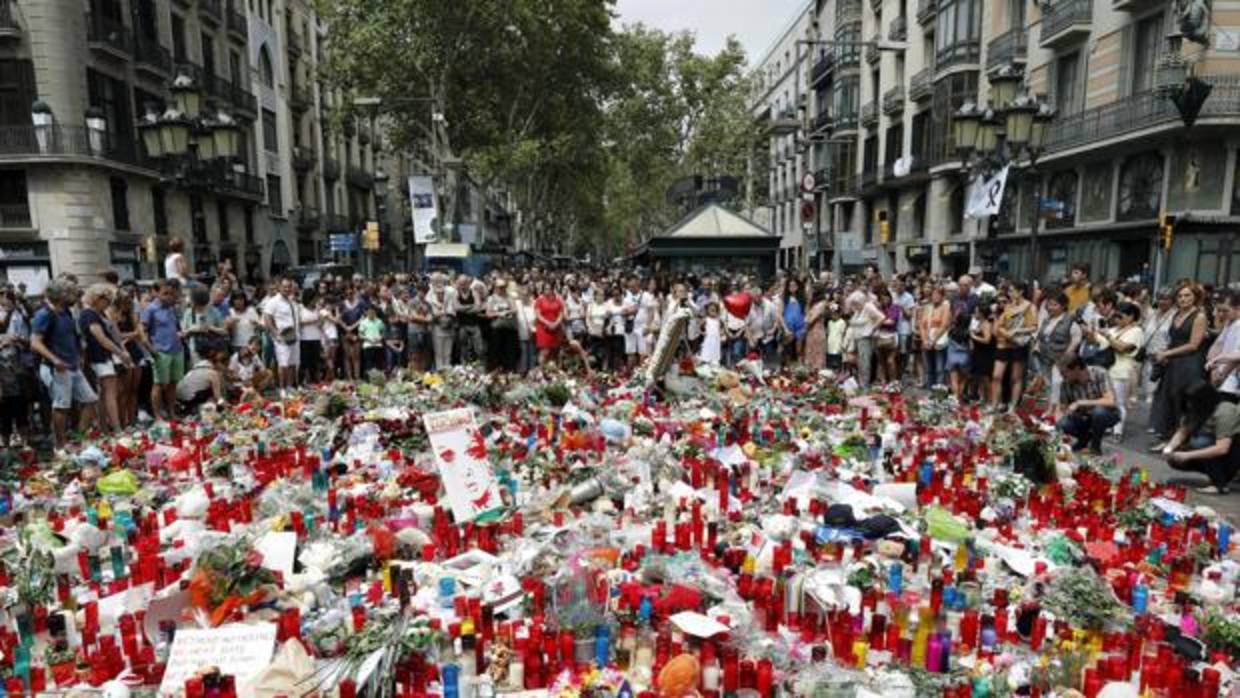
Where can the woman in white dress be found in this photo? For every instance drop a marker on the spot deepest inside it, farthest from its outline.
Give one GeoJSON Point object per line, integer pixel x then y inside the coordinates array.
{"type": "Point", "coordinates": [712, 336]}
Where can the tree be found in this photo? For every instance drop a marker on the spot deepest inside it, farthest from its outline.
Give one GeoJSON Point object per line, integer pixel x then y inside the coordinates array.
{"type": "Point", "coordinates": [505, 87]}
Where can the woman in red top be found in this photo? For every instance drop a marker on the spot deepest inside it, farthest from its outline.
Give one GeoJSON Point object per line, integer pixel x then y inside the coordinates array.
{"type": "Point", "coordinates": [549, 328]}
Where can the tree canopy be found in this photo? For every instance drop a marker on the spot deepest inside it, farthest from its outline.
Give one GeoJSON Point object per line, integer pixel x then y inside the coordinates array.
{"type": "Point", "coordinates": [586, 125]}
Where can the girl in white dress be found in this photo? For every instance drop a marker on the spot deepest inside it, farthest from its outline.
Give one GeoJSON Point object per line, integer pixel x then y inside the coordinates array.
{"type": "Point", "coordinates": [712, 336]}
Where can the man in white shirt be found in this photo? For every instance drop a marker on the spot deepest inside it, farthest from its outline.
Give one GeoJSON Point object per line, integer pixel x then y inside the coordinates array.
{"type": "Point", "coordinates": [1223, 364]}
{"type": "Point", "coordinates": [635, 327]}
{"type": "Point", "coordinates": [283, 323]}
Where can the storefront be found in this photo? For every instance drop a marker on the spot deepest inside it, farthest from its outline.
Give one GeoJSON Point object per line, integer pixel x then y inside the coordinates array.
{"type": "Point", "coordinates": [918, 257]}
{"type": "Point", "coordinates": [954, 259]}
{"type": "Point", "coordinates": [26, 265]}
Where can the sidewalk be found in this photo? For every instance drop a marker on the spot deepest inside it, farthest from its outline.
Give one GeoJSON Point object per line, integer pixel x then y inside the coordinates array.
{"type": "Point", "coordinates": [1135, 451]}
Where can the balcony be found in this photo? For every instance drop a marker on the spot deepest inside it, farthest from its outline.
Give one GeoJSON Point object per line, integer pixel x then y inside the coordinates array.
{"type": "Point", "coordinates": [10, 28]}
{"type": "Point", "coordinates": [783, 123]}
{"type": "Point", "coordinates": [960, 53]}
{"type": "Point", "coordinates": [245, 103]}
{"type": "Point", "coordinates": [240, 184]}
{"type": "Point", "coordinates": [211, 10]}
{"type": "Point", "coordinates": [872, 53]}
{"type": "Point", "coordinates": [869, 114]}
{"type": "Point", "coordinates": [1064, 22]}
{"type": "Point", "coordinates": [847, 12]}
{"type": "Point", "coordinates": [927, 10]}
{"type": "Point", "coordinates": [303, 159]}
{"type": "Point", "coordinates": [898, 31]}
{"type": "Point", "coordinates": [14, 216]}
{"type": "Point", "coordinates": [336, 223]}
{"type": "Point", "coordinates": [869, 178]}
{"type": "Point", "coordinates": [63, 142]}
{"type": "Point", "coordinates": [822, 67]}
{"type": "Point", "coordinates": [237, 24]}
{"type": "Point", "coordinates": [893, 100]}
{"type": "Point", "coordinates": [1139, 112]}
{"type": "Point", "coordinates": [921, 85]}
{"type": "Point", "coordinates": [109, 37]}
{"type": "Point", "coordinates": [151, 57]}
{"type": "Point", "coordinates": [217, 89]}
{"type": "Point", "coordinates": [1008, 48]}
{"type": "Point", "coordinates": [822, 122]}
{"type": "Point", "coordinates": [843, 187]}
{"type": "Point", "coordinates": [300, 99]}
{"type": "Point", "coordinates": [308, 219]}
{"type": "Point", "coordinates": [331, 169]}
{"type": "Point", "coordinates": [845, 122]}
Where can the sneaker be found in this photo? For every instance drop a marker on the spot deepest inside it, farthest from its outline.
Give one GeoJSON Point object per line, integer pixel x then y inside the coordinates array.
{"type": "Point", "coordinates": [1212, 489]}
{"type": "Point", "coordinates": [1158, 447]}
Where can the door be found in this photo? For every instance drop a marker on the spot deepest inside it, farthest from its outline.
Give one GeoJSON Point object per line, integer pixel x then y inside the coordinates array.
{"type": "Point", "coordinates": [1133, 256]}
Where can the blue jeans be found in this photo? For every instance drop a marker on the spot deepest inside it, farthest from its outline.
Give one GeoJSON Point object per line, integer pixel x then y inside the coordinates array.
{"type": "Point", "coordinates": [736, 350]}
{"type": "Point", "coordinates": [936, 367]}
{"type": "Point", "coordinates": [529, 356]}
{"type": "Point", "coordinates": [1089, 426]}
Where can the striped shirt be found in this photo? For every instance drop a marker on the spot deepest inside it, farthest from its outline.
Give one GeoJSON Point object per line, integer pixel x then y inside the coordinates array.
{"type": "Point", "coordinates": [1096, 384]}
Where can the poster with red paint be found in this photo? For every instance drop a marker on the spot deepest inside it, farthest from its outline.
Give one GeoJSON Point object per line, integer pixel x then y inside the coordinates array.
{"type": "Point", "coordinates": [461, 454]}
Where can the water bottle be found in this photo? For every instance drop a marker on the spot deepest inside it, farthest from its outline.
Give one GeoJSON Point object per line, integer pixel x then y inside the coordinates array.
{"type": "Point", "coordinates": [1224, 538]}
{"type": "Point", "coordinates": [1140, 598]}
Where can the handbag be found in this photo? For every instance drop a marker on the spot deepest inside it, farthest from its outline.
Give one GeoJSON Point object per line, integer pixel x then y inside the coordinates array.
{"type": "Point", "coordinates": [885, 339]}
{"type": "Point", "coordinates": [1096, 355]}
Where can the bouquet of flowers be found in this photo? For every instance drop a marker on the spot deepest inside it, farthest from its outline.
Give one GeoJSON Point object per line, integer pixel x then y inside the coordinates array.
{"type": "Point", "coordinates": [228, 577]}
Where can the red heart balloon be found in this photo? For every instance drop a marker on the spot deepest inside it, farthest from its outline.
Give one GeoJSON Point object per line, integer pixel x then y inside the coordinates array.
{"type": "Point", "coordinates": [738, 304]}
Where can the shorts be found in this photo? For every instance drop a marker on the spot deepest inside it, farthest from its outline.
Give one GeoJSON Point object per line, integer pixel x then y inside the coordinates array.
{"type": "Point", "coordinates": [957, 359]}
{"type": "Point", "coordinates": [635, 342]}
{"type": "Point", "coordinates": [67, 387]}
{"type": "Point", "coordinates": [104, 369]}
{"type": "Point", "coordinates": [169, 369]}
{"type": "Point", "coordinates": [1010, 355]}
{"type": "Point", "coordinates": [287, 355]}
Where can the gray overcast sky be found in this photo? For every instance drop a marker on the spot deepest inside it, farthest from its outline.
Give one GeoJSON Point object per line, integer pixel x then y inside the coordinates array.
{"type": "Point", "coordinates": [755, 22]}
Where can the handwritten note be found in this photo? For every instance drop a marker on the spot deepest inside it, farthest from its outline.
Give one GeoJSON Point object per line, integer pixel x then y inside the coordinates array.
{"type": "Point", "coordinates": [461, 454]}
{"type": "Point", "coordinates": [241, 650]}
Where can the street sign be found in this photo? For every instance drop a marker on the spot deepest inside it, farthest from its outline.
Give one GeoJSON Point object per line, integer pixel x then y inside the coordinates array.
{"type": "Point", "coordinates": [807, 181]}
{"type": "Point", "coordinates": [343, 242]}
{"type": "Point", "coordinates": [807, 212]}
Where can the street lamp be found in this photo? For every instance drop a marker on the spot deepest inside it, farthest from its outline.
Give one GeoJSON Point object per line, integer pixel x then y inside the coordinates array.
{"type": "Point", "coordinates": [174, 133]}
{"type": "Point", "coordinates": [965, 124]}
{"type": "Point", "coordinates": [187, 96]}
{"type": "Point", "coordinates": [149, 128]}
{"type": "Point", "coordinates": [227, 136]}
{"type": "Point", "coordinates": [1004, 85]}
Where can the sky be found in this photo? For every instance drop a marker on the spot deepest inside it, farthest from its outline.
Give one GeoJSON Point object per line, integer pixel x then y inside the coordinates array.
{"type": "Point", "coordinates": [755, 22]}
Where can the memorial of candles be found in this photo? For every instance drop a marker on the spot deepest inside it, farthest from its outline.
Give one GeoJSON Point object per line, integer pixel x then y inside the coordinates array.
{"type": "Point", "coordinates": [460, 537]}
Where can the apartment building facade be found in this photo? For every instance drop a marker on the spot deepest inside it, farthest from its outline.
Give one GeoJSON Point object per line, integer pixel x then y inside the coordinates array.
{"type": "Point", "coordinates": [886, 77]}
{"type": "Point", "coordinates": [87, 179]}
{"type": "Point", "coordinates": [780, 101]}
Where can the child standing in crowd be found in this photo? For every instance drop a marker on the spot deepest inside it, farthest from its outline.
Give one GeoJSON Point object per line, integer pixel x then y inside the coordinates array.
{"type": "Point", "coordinates": [712, 331]}
{"type": "Point", "coordinates": [370, 329]}
{"type": "Point", "coordinates": [837, 327]}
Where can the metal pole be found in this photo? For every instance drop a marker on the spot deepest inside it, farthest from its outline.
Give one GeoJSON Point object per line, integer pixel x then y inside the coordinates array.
{"type": "Point", "coordinates": [1037, 221]}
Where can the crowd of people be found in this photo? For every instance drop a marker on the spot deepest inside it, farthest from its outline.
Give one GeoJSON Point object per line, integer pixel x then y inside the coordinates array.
{"type": "Point", "coordinates": [112, 354]}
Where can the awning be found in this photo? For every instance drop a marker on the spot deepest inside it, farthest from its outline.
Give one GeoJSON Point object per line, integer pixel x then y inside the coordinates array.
{"type": "Point", "coordinates": [442, 250]}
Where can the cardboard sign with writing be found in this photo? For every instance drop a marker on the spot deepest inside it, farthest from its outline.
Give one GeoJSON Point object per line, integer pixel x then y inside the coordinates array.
{"type": "Point", "coordinates": [238, 649]}
{"type": "Point", "coordinates": [461, 454]}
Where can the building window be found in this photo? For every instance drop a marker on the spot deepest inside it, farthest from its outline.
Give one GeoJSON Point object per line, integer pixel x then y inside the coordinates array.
{"type": "Point", "coordinates": [845, 99]}
{"type": "Point", "coordinates": [178, 39]}
{"type": "Point", "coordinates": [208, 55]}
{"type": "Point", "coordinates": [120, 203]}
{"type": "Point", "coordinates": [249, 224]}
{"type": "Point", "coordinates": [957, 31]}
{"type": "Point", "coordinates": [198, 219]}
{"type": "Point", "coordinates": [893, 144]}
{"type": "Point", "coordinates": [949, 95]}
{"type": "Point", "coordinates": [234, 68]}
{"type": "Point", "coordinates": [146, 19]}
{"type": "Point", "coordinates": [17, 92]}
{"type": "Point", "coordinates": [1148, 47]}
{"type": "Point", "coordinates": [1068, 83]}
{"type": "Point", "coordinates": [159, 209]}
{"type": "Point", "coordinates": [221, 212]}
{"type": "Point", "coordinates": [275, 196]}
{"type": "Point", "coordinates": [1062, 193]}
{"type": "Point", "coordinates": [271, 141]}
{"type": "Point", "coordinates": [112, 97]}
{"type": "Point", "coordinates": [265, 70]}
{"type": "Point", "coordinates": [14, 205]}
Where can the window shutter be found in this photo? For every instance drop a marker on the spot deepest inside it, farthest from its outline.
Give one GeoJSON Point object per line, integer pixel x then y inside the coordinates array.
{"type": "Point", "coordinates": [1126, 58]}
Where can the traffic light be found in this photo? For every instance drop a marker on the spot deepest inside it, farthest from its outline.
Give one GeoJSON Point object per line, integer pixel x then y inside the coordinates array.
{"type": "Point", "coordinates": [1167, 226]}
{"type": "Point", "coordinates": [370, 238]}
{"type": "Point", "coordinates": [884, 228]}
